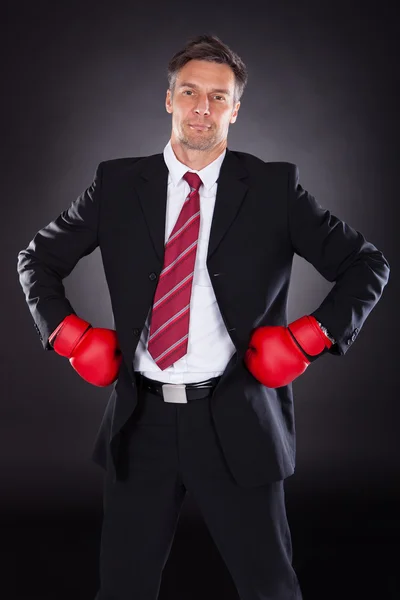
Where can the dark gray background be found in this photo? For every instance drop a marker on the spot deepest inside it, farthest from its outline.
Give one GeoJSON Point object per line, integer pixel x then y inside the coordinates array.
{"type": "Point", "coordinates": [86, 83]}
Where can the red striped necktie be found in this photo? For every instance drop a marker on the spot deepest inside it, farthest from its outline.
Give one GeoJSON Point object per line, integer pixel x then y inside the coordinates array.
{"type": "Point", "coordinates": [170, 316]}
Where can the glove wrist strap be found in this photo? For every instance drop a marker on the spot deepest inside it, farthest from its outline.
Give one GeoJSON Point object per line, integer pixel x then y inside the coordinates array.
{"type": "Point", "coordinates": [309, 335]}
{"type": "Point", "coordinates": [68, 334]}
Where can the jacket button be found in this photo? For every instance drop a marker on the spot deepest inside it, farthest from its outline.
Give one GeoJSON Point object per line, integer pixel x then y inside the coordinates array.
{"type": "Point", "coordinates": [136, 331]}
{"type": "Point", "coordinates": [153, 276]}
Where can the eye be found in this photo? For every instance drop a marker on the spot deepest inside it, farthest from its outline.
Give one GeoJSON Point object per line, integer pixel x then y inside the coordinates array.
{"type": "Point", "coordinates": [190, 91]}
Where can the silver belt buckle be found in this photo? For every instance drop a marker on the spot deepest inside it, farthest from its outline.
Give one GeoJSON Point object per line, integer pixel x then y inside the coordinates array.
{"type": "Point", "coordinates": [174, 392]}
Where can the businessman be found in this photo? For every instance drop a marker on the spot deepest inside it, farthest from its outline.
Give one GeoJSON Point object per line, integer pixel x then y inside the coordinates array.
{"type": "Point", "coordinates": [197, 245]}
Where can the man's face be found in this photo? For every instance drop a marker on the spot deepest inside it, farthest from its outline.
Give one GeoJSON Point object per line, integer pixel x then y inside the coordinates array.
{"type": "Point", "coordinates": [203, 95]}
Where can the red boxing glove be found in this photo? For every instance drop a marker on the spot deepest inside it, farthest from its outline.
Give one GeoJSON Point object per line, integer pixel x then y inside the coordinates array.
{"type": "Point", "coordinates": [277, 355]}
{"type": "Point", "coordinates": [94, 353]}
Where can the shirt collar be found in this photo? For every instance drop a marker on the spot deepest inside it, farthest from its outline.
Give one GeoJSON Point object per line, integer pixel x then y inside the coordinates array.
{"type": "Point", "coordinates": [208, 174]}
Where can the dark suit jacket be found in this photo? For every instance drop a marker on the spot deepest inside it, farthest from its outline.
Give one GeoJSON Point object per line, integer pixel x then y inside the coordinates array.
{"type": "Point", "coordinates": [262, 217]}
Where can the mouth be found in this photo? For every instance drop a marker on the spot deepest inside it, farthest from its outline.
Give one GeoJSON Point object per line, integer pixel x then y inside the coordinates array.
{"type": "Point", "coordinates": [199, 127]}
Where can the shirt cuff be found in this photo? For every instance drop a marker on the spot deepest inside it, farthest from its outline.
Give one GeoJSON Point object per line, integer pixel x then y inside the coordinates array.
{"type": "Point", "coordinates": [326, 332]}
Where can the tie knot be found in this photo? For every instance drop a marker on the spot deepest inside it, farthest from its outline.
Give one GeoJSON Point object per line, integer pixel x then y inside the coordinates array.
{"type": "Point", "coordinates": [193, 180]}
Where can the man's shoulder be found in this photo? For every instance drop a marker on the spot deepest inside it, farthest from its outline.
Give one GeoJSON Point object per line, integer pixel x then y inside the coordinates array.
{"type": "Point", "coordinates": [252, 162]}
{"type": "Point", "coordinates": [121, 163]}
{"type": "Point", "coordinates": [126, 167]}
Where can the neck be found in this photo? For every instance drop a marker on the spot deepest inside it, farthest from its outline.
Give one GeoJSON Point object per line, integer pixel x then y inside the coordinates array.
{"type": "Point", "coordinates": [196, 159]}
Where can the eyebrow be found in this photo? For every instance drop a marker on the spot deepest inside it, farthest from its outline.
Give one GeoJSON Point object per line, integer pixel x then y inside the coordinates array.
{"type": "Point", "coordinates": [193, 85]}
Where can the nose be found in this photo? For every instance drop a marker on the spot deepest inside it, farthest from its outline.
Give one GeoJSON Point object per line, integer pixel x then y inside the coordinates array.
{"type": "Point", "coordinates": [202, 106]}
{"type": "Point", "coordinates": [200, 111]}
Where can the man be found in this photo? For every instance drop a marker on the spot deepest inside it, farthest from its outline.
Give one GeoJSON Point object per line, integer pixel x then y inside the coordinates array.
{"type": "Point", "coordinates": [197, 246]}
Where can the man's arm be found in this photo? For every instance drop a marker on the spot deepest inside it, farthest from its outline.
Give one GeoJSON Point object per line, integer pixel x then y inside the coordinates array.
{"type": "Point", "coordinates": [52, 255]}
{"type": "Point", "coordinates": [340, 254]}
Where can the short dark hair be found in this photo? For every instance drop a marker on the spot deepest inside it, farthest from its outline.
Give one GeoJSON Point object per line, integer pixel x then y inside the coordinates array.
{"type": "Point", "coordinates": [212, 49]}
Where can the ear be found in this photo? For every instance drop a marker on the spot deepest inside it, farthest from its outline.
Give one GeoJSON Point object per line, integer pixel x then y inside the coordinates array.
{"type": "Point", "coordinates": [168, 102]}
{"type": "Point", "coordinates": [235, 112]}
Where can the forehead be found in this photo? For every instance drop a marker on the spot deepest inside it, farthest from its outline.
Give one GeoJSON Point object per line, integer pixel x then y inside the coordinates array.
{"type": "Point", "coordinates": [207, 74]}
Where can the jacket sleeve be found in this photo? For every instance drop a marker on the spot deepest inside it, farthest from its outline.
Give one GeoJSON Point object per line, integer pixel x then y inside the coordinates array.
{"type": "Point", "coordinates": [340, 254]}
{"type": "Point", "coordinates": [53, 253]}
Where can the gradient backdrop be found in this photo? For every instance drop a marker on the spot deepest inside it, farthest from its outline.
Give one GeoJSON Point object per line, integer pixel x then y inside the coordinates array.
{"type": "Point", "coordinates": [86, 82]}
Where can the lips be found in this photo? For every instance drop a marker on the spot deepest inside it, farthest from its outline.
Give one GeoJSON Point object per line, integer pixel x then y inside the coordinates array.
{"type": "Point", "coordinates": [198, 126]}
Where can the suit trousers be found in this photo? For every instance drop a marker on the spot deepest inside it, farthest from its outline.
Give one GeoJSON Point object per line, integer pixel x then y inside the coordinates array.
{"type": "Point", "coordinates": [171, 449]}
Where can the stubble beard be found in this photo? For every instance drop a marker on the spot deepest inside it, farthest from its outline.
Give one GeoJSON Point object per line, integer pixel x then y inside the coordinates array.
{"type": "Point", "coordinates": [197, 141]}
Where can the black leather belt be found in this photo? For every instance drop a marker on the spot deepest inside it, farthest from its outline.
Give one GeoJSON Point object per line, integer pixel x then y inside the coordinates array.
{"type": "Point", "coordinates": [178, 393]}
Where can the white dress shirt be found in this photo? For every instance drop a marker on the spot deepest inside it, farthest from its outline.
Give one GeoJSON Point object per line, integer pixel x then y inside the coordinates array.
{"type": "Point", "coordinates": [209, 345]}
